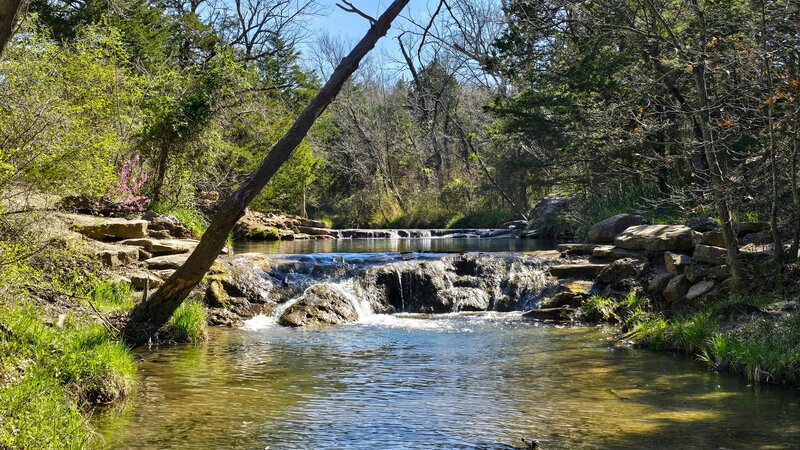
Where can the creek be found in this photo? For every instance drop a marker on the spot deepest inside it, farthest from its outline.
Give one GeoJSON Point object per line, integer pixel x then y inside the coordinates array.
{"type": "Point", "coordinates": [477, 380]}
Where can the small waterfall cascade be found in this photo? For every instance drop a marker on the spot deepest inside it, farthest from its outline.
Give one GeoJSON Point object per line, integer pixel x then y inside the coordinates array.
{"type": "Point", "coordinates": [373, 286]}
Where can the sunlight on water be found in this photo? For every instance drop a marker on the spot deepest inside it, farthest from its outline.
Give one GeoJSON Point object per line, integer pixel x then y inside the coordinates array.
{"type": "Point", "coordinates": [479, 380]}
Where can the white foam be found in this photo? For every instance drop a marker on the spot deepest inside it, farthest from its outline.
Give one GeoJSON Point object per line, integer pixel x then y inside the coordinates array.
{"type": "Point", "coordinates": [260, 322]}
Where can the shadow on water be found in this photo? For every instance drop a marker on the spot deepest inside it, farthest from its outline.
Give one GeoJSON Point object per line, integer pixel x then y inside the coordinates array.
{"type": "Point", "coordinates": [458, 381]}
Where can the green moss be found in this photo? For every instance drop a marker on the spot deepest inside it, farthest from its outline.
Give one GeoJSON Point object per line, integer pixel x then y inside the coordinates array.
{"type": "Point", "coordinates": [188, 322]}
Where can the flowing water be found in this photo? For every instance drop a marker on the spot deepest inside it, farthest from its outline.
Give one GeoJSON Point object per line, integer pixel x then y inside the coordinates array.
{"type": "Point", "coordinates": [453, 381]}
{"type": "Point", "coordinates": [435, 245]}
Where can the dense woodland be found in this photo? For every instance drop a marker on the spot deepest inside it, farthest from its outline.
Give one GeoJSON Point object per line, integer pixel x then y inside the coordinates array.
{"type": "Point", "coordinates": [488, 108]}
{"type": "Point", "coordinates": [477, 111]}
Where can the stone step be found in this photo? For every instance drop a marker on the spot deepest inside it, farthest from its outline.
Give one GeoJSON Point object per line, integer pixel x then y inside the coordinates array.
{"type": "Point", "coordinates": [576, 249]}
{"type": "Point", "coordinates": [583, 271]}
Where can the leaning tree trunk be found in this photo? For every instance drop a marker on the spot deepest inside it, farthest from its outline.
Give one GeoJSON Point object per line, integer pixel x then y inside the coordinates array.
{"type": "Point", "coordinates": [8, 15]}
{"type": "Point", "coordinates": [150, 315]}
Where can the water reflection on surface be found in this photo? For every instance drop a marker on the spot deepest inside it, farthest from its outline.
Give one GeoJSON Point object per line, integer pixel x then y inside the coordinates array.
{"type": "Point", "coordinates": [445, 245]}
{"type": "Point", "coordinates": [454, 381]}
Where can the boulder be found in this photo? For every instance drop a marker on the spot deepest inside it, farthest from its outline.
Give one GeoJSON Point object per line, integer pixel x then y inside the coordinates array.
{"type": "Point", "coordinates": [676, 262]}
{"type": "Point", "coordinates": [106, 228]}
{"type": "Point", "coordinates": [216, 296]}
{"type": "Point", "coordinates": [577, 270]}
{"type": "Point", "coordinates": [709, 254]}
{"type": "Point", "coordinates": [750, 227]}
{"type": "Point", "coordinates": [118, 255]}
{"type": "Point", "coordinates": [760, 238]}
{"type": "Point", "coordinates": [166, 262]}
{"type": "Point", "coordinates": [702, 224]}
{"type": "Point", "coordinates": [163, 226]}
{"type": "Point", "coordinates": [713, 238]}
{"type": "Point", "coordinates": [695, 273]}
{"type": "Point", "coordinates": [464, 299]}
{"type": "Point", "coordinates": [622, 269]}
{"type": "Point", "coordinates": [160, 247]}
{"type": "Point", "coordinates": [607, 230]}
{"type": "Point", "coordinates": [561, 314]}
{"type": "Point", "coordinates": [314, 231]}
{"type": "Point", "coordinates": [319, 306]}
{"type": "Point", "coordinates": [656, 238]}
{"type": "Point", "coordinates": [569, 293]}
{"type": "Point", "coordinates": [658, 283]}
{"type": "Point", "coordinates": [576, 249]}
{"type": "Point", "coordinates": [611, 253]}
{"type": "Point", "coordinates": [676, 289]}
{"type": "Point", "coordinates": [700, 289]}
{"type": "Point", "coordinates": [141, 279]}
{"type": "Point", "coordinates": [546, 215]}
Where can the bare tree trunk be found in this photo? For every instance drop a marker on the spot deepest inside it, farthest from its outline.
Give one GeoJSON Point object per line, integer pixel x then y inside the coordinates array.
{"type": "Point", "coordinates": [149, 316]}
{"type": "Point", "coordinates": [714, 168]}
{"type": "Point", "coordinates": [773, 219]}
{"type": "Point", "coordinates": [8, 15]}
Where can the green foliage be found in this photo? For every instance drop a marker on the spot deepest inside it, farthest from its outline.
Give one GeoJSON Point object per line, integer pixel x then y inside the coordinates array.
{"type": "Point", "coordinates": [107, 295]}
{"type": "Point", "coordinates": [192, 218]}
{"type": "Point", "coordinates": [47, 373]}
{"type": "Point", "coordinates": [66, 112]}
{"type": "Point", "coordinates": [188, 322]}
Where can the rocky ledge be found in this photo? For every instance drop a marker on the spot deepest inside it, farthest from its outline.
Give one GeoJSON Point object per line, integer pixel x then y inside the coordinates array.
{"type": "Point", "coordinates": [673, 264]}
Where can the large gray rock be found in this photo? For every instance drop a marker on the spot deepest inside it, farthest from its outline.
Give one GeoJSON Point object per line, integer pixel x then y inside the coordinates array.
{"type": "Point", "coordinates": [622, 269]}
{"type": "Point", "coordinates": [750, 227]}
{"type": "Point", "coordinates": [161, 247]}
{"type": "Point", "coordinates": [656, 238]}
{"type": "Point", "coordinates": [608, 229]}
{"type": "Point", "coordinates": [546, 214]}
{"type": "Point", "coordinates": [695, 273]}
{"type": "Point", "coordinates": [700, 289]}
{"type": "Point", "coordinates": [716, 256]}
{"type": "Point", "coordinates": [676, 262]}
{"type": "Point", "coordinates": [702, 224]}
{"type": "Point", "coordinates": [166, 262]}
{"type": "Point", "coordinates": [576, 249]}
{"type": "Point", "coordinates": [464, 299]}
{"type": "Point", "coordinates": [713, 238]}
{"type": "Point", "coordinates": [658, 283]}
{"type": "Point", "coordinates": [612, 253]}
{"type": "Point", "coordinates": [113, 256]}
{"type": "Point", "coordinates": [577, 270]}
{"type": "Point", "coordinates": [106, 228]}
{"type": "Point", "coordinates": [677, 288]}
{"type": "Point", "coordinates": [321, 305]}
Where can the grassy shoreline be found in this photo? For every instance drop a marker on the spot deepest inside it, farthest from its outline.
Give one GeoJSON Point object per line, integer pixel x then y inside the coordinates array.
{"type": "Point", "coordinates": [742, 335]}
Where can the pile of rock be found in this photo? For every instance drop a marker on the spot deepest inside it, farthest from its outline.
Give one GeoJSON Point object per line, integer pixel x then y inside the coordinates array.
{"type": "Point", "coordinates": [272, 227]}
{"type": "Point", "coordinates": [672, 263]}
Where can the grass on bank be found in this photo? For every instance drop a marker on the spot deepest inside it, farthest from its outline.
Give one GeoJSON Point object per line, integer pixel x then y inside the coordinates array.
{"type": "Point", "coordinates": [188, 322]}
{"type": "Point", "coordinates": [48, 375]}
{"type": "Point", "coordinates": [728, 333]}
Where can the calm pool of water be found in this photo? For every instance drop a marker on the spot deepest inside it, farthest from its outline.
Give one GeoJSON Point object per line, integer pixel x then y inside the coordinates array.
{"type": "Point", "coordinates": [480, 381]}
{"type": "Point", "coordinates": [441, 245]}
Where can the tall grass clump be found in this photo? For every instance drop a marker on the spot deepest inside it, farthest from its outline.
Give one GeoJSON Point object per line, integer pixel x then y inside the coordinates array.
{"type": "Point", "coordinates": [107, 295]}
{"type": "Point", "coordinates": [188, 322]}
{"type": "Point", "coordinates": [49, 374]}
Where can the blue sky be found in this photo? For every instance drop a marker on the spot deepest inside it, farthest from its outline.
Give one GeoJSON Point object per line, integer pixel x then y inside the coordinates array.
{"type": "Point", "coordinates": [336, 21]}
